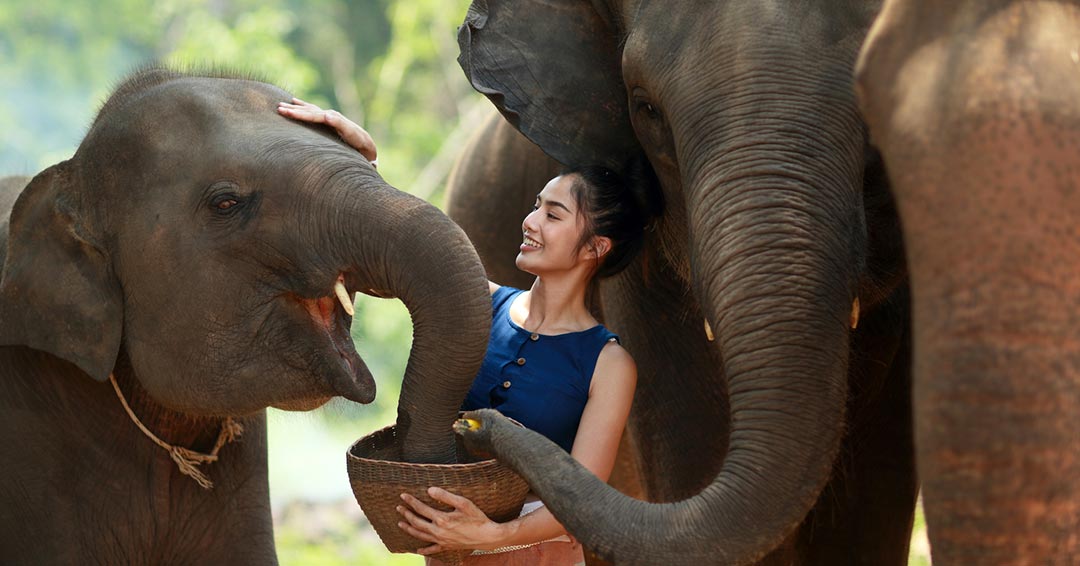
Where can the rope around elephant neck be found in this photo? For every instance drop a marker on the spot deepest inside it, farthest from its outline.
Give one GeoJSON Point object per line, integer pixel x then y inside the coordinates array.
{"type": "Point", "coordinates": [186, 459]}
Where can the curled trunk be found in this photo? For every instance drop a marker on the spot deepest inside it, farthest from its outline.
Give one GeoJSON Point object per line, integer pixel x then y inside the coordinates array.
{"type": "Point", "coordinates": [408, 249]}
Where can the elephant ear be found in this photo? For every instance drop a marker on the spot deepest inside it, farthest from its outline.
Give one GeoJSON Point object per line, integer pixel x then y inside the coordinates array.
{"type": "Point", "coordinates": [552, 68]}
{"type": "Point", "coordinates": [58, 293]}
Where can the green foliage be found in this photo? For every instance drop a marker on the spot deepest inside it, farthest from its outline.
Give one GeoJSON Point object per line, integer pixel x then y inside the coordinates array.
{"type": "Point", "coordinates": [389, 66]}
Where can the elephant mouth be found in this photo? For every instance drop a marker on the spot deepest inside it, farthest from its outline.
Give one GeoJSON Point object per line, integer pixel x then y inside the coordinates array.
{"type": "Point", "coordinates": [340, 364]}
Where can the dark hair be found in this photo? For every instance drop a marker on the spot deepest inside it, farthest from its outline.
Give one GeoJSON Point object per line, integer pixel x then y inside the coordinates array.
{"type": "Point", "coordinates": [618, 207]}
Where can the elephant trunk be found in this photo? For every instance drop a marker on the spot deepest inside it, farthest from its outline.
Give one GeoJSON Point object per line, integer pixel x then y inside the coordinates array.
{"type": "Point", "coordinates": [407, 248]}
{"type": "Point", "coordinates": [775, 214]}
{"type": "Point", "coordinates": [777, 240]}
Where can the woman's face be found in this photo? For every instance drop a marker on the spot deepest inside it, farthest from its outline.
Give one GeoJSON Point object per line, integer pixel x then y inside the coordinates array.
{"type": "Point", "coordinates": [552, 231]}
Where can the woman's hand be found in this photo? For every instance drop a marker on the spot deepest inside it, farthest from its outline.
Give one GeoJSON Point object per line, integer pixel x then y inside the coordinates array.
{"type": "Point", "coordinates": [465, 526]}
{"type": "Point", "coordinates": [350, 132]}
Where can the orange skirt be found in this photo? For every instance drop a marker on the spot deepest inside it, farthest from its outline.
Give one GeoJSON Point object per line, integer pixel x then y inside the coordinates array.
{"type": "Point", "coordinates": [551, 553]}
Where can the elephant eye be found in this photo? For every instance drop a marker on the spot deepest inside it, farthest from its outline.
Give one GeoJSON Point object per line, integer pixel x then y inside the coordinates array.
{"type": "Point", "coordinates": [226, 203]}
{"type": "Point", "coordinates": [643, 104]}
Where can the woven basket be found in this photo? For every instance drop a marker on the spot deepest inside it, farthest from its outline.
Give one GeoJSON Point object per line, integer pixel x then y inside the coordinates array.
{"type": "Point", "coordinates": [379, 477]}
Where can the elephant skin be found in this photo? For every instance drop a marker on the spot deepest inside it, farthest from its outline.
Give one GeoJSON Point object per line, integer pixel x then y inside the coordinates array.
{"type": "Point", "coordinates": [976, 109]}
{"type": "Point", "coordinates": [788, 439]}
{"type": "Point", "coordinates": [190, 249]}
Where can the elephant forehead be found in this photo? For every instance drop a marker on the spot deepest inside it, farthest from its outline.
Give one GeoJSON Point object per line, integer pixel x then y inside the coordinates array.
{"type": "Point", "coordinates": [196, 123]}
{"type": "Point", "coordinates": [214, 105]}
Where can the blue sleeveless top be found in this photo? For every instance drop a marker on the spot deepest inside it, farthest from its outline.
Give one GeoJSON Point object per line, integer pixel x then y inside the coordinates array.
{"type": "Point", "coordinates": [539, 380]}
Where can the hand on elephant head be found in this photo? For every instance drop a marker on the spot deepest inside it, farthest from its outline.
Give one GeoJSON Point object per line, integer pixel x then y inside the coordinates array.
{"type": "Point", "coordinates": [350, 132]}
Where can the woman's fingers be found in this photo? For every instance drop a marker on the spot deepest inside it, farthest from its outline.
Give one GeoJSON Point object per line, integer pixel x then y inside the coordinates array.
{"type": "Point", "coordinates": [416, 526]}
{"type": "Point", "coordinates": [456, 501]}
{"type": "Point", "coordinates": [430, 549]}
{"type": "Point", "coordinates": [301, 113]}
{"type": "Point", "coordinates": [420, 507]}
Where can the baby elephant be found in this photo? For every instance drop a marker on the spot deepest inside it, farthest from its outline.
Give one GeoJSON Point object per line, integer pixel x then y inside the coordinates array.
{"type": "Point", "coordinates": [192, 264]}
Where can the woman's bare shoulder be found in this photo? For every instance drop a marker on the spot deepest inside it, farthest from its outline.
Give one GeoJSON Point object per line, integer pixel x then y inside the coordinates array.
{"type": "Point", "coordinates": [493, 286]}
{"type": "Point", "coordinates": [615, 364]}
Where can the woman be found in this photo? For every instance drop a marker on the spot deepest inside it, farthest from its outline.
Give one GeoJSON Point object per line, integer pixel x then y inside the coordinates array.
{"type": "Point", "coordinates": [550, 364]}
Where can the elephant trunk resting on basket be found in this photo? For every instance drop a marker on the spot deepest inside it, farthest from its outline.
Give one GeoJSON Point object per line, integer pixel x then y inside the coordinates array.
{"type": "Point", "coordinates": [784, 437]}
{"type": "Point", "coordinates": [778, 212]}
{"type": "Point", "coordinates": [190, 249]}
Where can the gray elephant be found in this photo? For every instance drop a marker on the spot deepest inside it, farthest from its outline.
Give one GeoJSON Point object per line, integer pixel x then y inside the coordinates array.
{"type": "Point", "coordinates": [771, 431]}
{"type": "Point", "coordinates": [975, 107]}
{"type": "Point", "coordinates": [189, 252]}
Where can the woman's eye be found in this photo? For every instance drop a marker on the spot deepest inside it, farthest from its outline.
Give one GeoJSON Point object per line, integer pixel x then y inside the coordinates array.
{"type": "Point", "coordinates": [552, 216]}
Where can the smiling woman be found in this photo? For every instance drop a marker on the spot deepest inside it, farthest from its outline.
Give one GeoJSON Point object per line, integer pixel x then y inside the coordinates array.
{"type": "Point", "coordinates": [550, 365]}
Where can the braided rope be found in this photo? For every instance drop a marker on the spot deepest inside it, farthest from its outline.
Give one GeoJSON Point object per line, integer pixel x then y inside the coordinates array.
{"type": "Point", "coordinates": [187, 460]}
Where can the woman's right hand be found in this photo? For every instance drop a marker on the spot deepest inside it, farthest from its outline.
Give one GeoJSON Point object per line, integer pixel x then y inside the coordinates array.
{"type": "Point", "coordinates": [464, 527]}
{"type": "Point", "coordinates": [350, 132]}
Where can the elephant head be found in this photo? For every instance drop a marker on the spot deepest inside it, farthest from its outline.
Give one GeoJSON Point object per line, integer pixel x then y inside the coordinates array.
{"type": "Point", "coordinates": [200, 235]}
{"type": "Point", "coordinates": [745, 111]}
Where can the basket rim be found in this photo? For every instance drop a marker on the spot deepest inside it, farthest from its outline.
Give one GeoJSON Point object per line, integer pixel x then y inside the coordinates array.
{"type": "Point", "coordinates": [376, 461]}
{"type": "Point", "coordinates": [349, 456]}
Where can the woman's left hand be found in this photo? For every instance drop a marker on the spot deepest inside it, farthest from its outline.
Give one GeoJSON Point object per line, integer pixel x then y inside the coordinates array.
{"type": "Point", "coordinates": [465, 526]}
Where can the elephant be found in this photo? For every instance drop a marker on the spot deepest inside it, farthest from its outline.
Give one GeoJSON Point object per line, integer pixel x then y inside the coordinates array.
{"type": "Point", "coordinates": [974, 107]}
{"type": "Point", "coordinates": [769, 312]}
{"type": "Point", "coordinates": [188, 255]}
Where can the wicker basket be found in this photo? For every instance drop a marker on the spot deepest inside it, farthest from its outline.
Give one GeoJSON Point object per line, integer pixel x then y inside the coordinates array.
{"type": "Point", "coordinates": [379, 477]}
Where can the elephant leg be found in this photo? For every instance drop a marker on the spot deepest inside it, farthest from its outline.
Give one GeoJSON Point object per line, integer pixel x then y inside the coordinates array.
{"type": "Point", "coordinates": [976, 115]}
{"type": "Point", "coordinates": [492, 187]}
{"type": "Point", "coordinates": [865, 514]}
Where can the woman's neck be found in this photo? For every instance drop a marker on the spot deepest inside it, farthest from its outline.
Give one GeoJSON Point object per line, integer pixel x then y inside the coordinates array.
{"type": "Point", "coordinates": [556, 305]}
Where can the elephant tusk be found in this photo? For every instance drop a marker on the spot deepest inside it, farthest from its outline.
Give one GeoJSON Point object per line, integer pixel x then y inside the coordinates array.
{"type": "Point", "coordinates": [343, 298]}
{"type": "Point", "coordinates": [708, 331]}
{"type": "Point", "coordinates": [855, 313]}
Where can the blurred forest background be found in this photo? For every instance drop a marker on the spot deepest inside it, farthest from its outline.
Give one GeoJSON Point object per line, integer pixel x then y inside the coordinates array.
{"type": "Point", "coordinates": [389, 65]}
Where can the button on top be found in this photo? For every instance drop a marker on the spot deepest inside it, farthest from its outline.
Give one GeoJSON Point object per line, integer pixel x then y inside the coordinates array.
{"type": "Point", "coordinates": [534, 337]}
{"type": "Point", "coordinates": [521, 361]}
{"type": "Point", "coordinates": [506, 385]}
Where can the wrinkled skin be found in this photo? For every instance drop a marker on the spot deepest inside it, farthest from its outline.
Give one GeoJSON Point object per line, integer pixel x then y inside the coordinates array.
{"type": "Point", "coordinates": [190, 247]}
{"type": "Point", "coordinates": [976, 109]}
{"type": "Point", "coordinates": [788, 439]}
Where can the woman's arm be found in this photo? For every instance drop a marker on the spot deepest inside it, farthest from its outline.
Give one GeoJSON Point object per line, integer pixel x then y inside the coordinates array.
{"type": "Point", "coordinates": [595, 446]}
{"type": "Point", "coordinates": [350, 132]}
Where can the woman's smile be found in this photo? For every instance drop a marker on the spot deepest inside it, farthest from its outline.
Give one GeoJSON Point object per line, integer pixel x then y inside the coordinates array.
{"type": "Point", "coordinates": [528, 244]}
